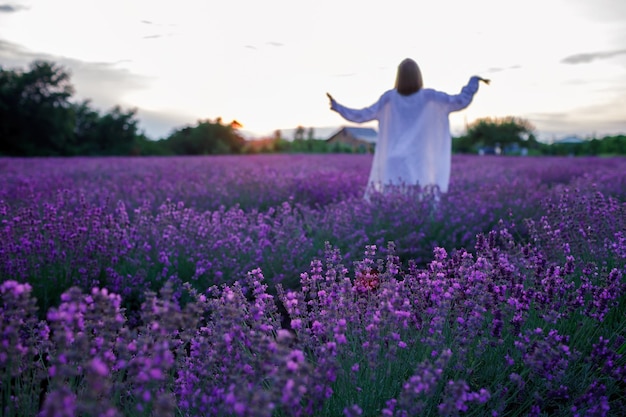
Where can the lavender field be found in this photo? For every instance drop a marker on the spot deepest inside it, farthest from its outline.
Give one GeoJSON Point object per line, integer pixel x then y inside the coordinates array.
{"type": "Point", "coordinates": [268, 286]}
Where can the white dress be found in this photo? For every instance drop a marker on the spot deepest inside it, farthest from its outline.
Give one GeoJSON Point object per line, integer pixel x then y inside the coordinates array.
{"type": "Point", "coordinates": [414, 144]}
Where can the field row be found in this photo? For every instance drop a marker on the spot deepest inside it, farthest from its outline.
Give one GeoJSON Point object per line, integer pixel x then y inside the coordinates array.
{"type": "Point", "coordinates": [268, 286]}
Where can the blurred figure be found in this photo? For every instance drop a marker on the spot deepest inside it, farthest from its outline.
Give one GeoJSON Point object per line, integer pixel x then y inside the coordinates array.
{"type": "Point", "coordinates": [414, 145]}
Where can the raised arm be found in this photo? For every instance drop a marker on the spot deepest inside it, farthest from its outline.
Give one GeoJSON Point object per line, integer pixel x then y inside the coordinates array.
{"type": "Point", "coordinates": [356, 115]}
{"type": "Point", "coordinates": [464, 98]}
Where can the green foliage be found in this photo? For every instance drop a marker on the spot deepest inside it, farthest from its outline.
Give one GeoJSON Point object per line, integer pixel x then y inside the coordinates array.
{"type": "Point", "coordinates": [146, 146]}
{"type": "Point", "coordinates": [279, 145]}
{"type": "Point", "coordinates": [113, 133]}
{"type": "Point", "coordinates": [38, 119]}
{"type": "Point", "coordinates": [35, 113]}
{"type": "Point", "coordinates": [309, 146]}
{"type": "Point", "coordinates": [206, 138]}
{"type": "Point", "coordinates": [510, 134]}
{"type": "Point", "coordinates": [608, 146]}
{"type": "Point", "coordinates": [299, 133]}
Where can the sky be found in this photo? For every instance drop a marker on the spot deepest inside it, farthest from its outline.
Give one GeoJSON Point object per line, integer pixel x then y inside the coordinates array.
{"type": "Point", "coordinates": [560, 64]}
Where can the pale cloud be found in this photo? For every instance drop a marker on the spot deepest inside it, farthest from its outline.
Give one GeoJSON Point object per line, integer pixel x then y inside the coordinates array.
{"type": "Point", "coordinates": [160, 124]}
{"type": "Point", "coordinates": [500, 69]}
{"type": "Point", "coordinates": [602, 10]}
{"type": "Point", "coordinates": [11, 8]}
{"type": "Point", "coordinates": [596, 120]}
{"type": "Point", "coordinates": [104, 83]}
{"type": "Point", "coordinates": [586, 58]}
{"type": "Point", "coordinates": [245, 60]}
{"type": "Point", "coordinates": [10, 51]}
{"type": "Point", "coordinates": [270, 43]}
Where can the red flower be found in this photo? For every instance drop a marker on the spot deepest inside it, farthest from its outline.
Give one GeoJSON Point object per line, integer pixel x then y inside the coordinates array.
{"type": "Point", "coordinates": [366, 281]}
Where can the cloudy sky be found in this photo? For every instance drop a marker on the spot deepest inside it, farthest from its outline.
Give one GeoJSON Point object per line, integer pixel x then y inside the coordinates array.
{"type": "Point", "coordinates": [561, 64]}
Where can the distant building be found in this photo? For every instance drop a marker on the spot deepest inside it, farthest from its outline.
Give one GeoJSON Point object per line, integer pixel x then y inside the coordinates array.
{"type": "Point", "coordinates": [569, 144]}
{"type": "Point", "coordinates": [361, 139]}
{"type": "Point", "coordinates": [570, 139]}
{"type": "Point", "coordinates": [515, 149]}
{"type": "Point", "coordinates": [487, 150]}
{"type": "Point", "coordinates": [510, 149]}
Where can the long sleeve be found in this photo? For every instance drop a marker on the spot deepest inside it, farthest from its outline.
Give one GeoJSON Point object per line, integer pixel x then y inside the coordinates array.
{"type": "Point", "coordinates": [358, 115]}
{"type": "Point", "coordinates": [463, 99]}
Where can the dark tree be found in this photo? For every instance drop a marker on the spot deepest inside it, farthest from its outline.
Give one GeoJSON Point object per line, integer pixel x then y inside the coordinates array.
{"type": "Point", "coordinates": [494, 132]}
{"type": "Point", "coordinates": [299, 133]}
{"type": "Point", "coordinates": [85, 126]}
{"type": "Point", "coordinates": [500, 131]}
{"type": "Point", "coordinates": [206, 138]}
{"type": "Point", "coordinates": [116, 132]}
{"type": "Point", "coordinates": [35, 112]}
{"type": "Point", "coordinates": [38, 119]}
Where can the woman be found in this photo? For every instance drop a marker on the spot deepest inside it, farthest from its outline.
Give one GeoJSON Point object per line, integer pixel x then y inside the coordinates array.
{"type": "Point", "coordinates": [414, 146]}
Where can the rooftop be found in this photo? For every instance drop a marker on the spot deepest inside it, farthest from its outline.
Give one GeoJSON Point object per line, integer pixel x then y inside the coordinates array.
{"type": "Point", "coordinates": [366, 134]}
{"type": "Point", "coordinates": [570, 139]}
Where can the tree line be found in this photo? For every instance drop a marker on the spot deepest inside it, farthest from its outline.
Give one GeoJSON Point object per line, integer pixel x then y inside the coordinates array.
{"type": "Point", "coordinates": [515, 136]}
{"type": "Point", "coordinates": [606, 146]}
{"type": "Point", "coordinates": [39, 118]}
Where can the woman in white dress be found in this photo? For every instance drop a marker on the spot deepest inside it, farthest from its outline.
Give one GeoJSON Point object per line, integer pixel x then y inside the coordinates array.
{"type": "Point", "coordinates": [414, 146]}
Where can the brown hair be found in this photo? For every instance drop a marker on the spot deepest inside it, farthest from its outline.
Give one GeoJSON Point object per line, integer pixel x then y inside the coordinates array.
{"type": "Point", "coordinates": [409, 78]}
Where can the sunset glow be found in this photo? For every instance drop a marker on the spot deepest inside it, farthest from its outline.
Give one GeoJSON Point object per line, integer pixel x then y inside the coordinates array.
{"type": "Point", "coordinates": [560, 64]}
